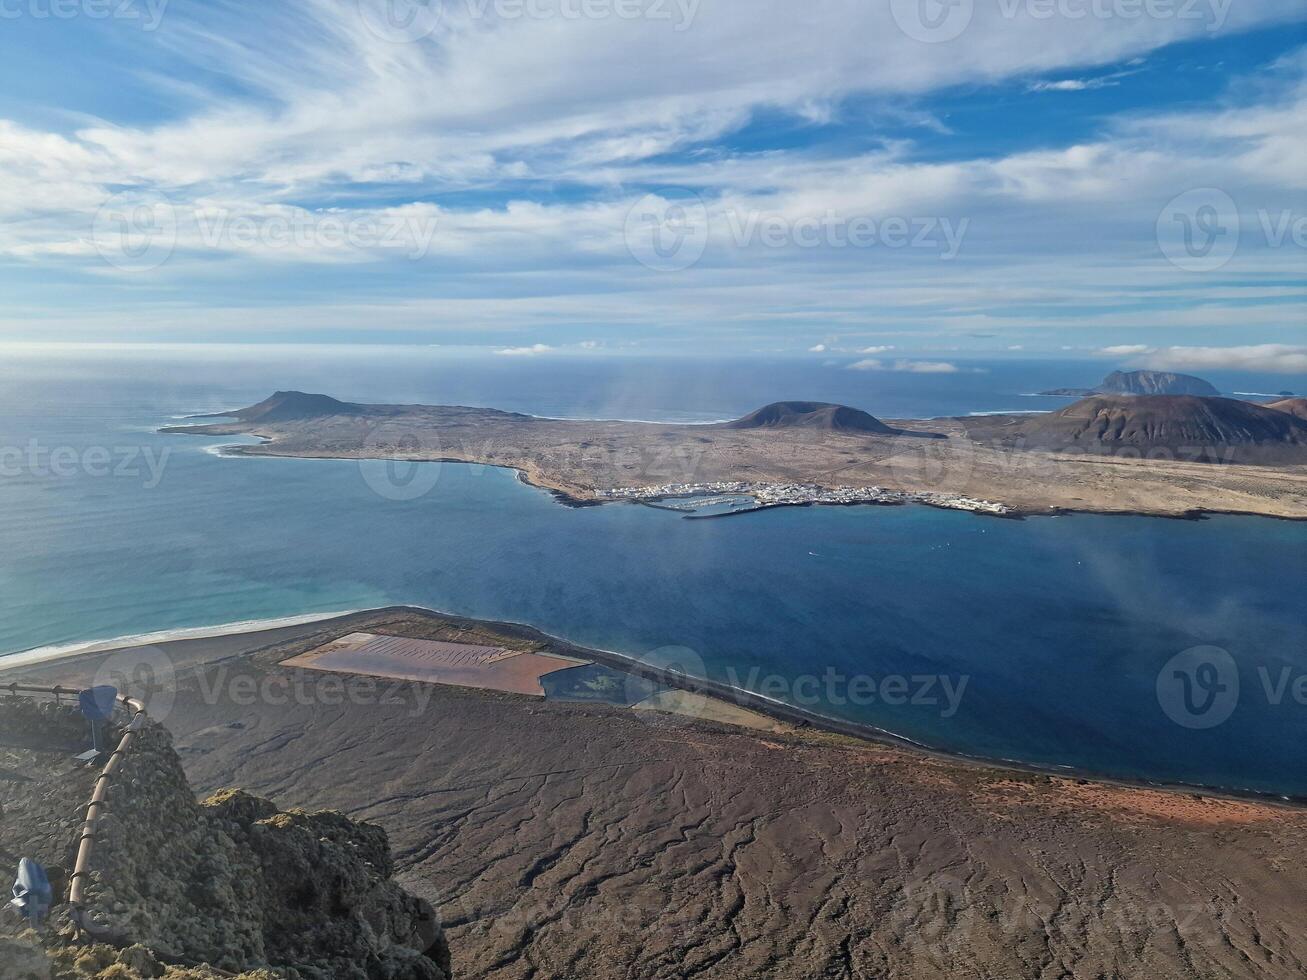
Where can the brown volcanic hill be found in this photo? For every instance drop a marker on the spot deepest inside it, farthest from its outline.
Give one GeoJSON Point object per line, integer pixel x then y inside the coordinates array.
{"type": "Point", "coordinates": [810, 415]}
{"type": "Point", "coordinates": [1294, 406]}
{"type": "Point", "coordinates": [290, 406]}
{"type": "Point", "coordinates": [1181, 423]}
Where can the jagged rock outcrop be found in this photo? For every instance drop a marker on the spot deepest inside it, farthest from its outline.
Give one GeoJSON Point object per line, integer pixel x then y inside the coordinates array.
{"type": "Point", "coordinates": [231, 883]}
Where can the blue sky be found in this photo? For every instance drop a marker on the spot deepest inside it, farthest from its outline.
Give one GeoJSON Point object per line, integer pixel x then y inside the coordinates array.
{"type": "Point", "coordinates": [542, 176]}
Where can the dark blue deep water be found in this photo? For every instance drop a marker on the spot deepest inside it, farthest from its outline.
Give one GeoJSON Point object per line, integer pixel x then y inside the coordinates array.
{"type": "Point", "coordinates": [1051, 633]}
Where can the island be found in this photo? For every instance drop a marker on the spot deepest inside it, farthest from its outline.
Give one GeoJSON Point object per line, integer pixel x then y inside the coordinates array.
{"type": "Point", "coordinates": [798, 452]}
{"type": "Point", "coordinates": [1143, 383]}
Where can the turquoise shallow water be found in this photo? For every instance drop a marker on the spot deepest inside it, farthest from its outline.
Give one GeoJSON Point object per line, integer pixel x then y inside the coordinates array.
{"type": "Point", "coordinates": [1045, 638]}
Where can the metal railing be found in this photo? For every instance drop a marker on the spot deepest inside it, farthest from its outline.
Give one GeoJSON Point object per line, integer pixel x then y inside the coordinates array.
{"type": "Point", "coordinates": [87, 838]}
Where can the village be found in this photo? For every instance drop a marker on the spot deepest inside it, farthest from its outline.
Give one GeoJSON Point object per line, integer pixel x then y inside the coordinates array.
{"type": "Point", "coordinates": [798, 494]}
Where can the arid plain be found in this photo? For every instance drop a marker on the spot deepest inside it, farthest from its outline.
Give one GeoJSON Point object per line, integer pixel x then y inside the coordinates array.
{"type": "Point", "coordinates": [581, 459]}
{"type": "Point", "coordinates": [562, 839]}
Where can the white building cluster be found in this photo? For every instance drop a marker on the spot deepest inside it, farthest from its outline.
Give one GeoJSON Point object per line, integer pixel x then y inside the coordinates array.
{"type": "Point", "coordinates": [790, 494]}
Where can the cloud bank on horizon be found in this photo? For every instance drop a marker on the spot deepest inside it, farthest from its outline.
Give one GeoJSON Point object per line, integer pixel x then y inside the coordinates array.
{"type": "Point", "coordinates": [538, 175]}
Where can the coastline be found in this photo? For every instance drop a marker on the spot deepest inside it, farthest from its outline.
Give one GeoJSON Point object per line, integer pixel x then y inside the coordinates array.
{"type": "Point", "coordinates": [804, 720]}
{"type": "Point", "coordinates": [56, 652]}
{"type": "Point", "coordinates": [572, 496]}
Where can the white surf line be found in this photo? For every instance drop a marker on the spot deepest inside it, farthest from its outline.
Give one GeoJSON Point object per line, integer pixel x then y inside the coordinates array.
{"type": "Point", "coordinates": [46, 654]}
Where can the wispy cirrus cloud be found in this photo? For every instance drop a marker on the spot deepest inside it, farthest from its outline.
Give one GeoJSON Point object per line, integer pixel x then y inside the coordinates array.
{"type": "Point", "coordinates": [526, 190]}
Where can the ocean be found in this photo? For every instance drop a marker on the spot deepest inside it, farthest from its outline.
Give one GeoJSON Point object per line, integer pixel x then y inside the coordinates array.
{"type": "Point", "coordinates": [1079, 641]}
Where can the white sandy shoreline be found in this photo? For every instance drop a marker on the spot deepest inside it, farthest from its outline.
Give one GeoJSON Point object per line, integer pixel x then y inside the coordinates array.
{"type": "Point", "coordinates": [63, 651]}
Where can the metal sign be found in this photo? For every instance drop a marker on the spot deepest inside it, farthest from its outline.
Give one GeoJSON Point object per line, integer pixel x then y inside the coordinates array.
{"type": "Point", "coordinates": [97, 703]}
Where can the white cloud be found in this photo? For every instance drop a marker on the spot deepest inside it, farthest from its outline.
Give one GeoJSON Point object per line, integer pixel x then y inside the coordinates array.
{"type": "Point", "coordinates": [531, 351]}
{"type": "Point", "coordinates": [877, 350]}
{"type": "Point", "coordinates": [926, 367]}
{"type": "Point", "coordinates": [1124, 350]}
{"type": "Point", "coordinates": [1065, 85]}
{"type": "Point", "coordinates": [817, 349]}
{"type": "Point", "coordinates": [905, 366]}
{"type": "Point", "coordinates": [332, 113]}
{"type": "Point", "coordinates": [1268, 358]}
